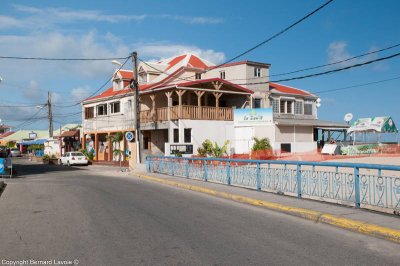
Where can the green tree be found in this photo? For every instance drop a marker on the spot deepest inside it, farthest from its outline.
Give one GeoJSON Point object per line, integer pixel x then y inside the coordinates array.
{"type": "Point", "coordinates": [116, 139]}
{"type": "Point", "coordinates": [208, 149]}
{"type": "Point", "coordinates": [261, 144]}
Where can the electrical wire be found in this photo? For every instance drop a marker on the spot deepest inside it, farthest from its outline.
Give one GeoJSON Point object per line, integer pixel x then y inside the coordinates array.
{"type": "Point", "coordinates": [355, 86]}
{"type": "Point", "coordinates": [94, 93]}
{"type": "Point", "coordinates": [326, 72]}
{"type": "Point", "coordinates": [256, 46]}
{"type": "Point", "coordinates": [62, 59]}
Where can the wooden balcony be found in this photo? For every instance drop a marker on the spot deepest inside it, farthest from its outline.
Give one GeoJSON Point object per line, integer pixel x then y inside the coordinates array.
{"type": "Point", "coordinates": [187, 112]}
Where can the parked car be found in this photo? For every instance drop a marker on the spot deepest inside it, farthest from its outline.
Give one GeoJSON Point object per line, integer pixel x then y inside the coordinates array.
{"type": "Point", "coordinates": [73, 158]}
{"type": "Point", "coordinates": [15, 152]}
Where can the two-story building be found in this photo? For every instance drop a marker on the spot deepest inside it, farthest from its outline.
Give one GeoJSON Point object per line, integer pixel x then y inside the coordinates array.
{"type": "Point", "coordinates": [185, 100]}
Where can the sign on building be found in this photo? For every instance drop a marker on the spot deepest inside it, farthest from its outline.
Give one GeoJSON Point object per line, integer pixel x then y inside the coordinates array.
{"type": "Point", "coordinates": [252, 117]}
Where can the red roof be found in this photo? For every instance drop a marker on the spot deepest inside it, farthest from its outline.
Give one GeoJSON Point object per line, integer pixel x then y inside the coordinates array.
{"type": "Point", "coordinates": [194, 61]}
{"type": "Point", "coordinates": [175, 61]}
{"type": "Point", "coordinates": [6, 134]}
{"type": "Point", "coordinates": [288, 90]}
{"type": "Point", "coordinates": [108, 93]}
{"type": "Point", "coordinates": [126, 74]}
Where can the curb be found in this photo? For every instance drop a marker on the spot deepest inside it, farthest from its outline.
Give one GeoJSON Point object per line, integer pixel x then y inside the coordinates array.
{"type": "Point", "coordinates": [318, 217]}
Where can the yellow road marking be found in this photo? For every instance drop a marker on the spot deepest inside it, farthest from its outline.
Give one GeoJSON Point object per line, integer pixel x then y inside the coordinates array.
{"type": "Point", "coordinates": [353, 225]}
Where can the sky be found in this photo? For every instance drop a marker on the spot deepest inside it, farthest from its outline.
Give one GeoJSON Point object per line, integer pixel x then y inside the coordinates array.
{"type": "Point", "coordinates": [214, 30]}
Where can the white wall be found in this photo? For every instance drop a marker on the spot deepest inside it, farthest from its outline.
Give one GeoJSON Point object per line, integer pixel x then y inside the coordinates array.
{"type": "Point", "coordinates": [216, 131]}
{"type": "Point", "coordinates": [110, 122]}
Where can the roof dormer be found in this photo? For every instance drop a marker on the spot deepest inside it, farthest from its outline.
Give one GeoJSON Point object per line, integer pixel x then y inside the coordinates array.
{"type": "Point", "coordinates": [121, 79]}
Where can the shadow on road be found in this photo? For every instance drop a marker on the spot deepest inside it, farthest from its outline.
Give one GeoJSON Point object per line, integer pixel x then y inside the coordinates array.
{"type": "Point", "coordinates": [24, 168]}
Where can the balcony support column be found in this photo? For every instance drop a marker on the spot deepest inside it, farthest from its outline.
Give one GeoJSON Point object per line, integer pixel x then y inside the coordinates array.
{"type": "Point", "coordinates": [217, 95]}
{"type": "Point", "coordinates": [180, 109]}
{"type": "Point", "coordinates": [153, 106]}
{"type": "Point", "coordinates": [168, 94]}
{"type": "Point", "coordinates": [199, 95]}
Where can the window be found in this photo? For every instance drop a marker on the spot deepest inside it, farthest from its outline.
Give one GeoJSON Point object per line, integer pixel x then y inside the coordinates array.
{"type": "Point", "coordinates": [257, 72]}
{"type": "Point", "coordinates": [289, 107]}
{"type": "Point", "coordinates": [89, 112]}
{"type": "Point", "coordinates": [143, 78]}
{"type": "Point", "coordinates": [176, 135]}
{"type": "Point", "coordinates": [275, 105]}
{"type": "Point", "coordinates": [286, 106]}
{"type": "Point", "coordinates": [115, 107]}
{"type": "Point", "coordinates": [308, 107]}
{"type": "Point", "coordinates": [257, 103]}
{"type": "Point", "coordinates": [188, 135]}
{"type": "Point", "coordinates": [102, 109]}
{"type": "Point", "coordinates": [222, 74]}
{"type": "Point", "coordinates": [198, 75]}
{"type": "Point", "coordinates": [298, 108]}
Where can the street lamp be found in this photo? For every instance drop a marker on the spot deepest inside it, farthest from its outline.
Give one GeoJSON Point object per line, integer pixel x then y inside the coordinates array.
{"type": "Point", "coordinates": [115, 62]}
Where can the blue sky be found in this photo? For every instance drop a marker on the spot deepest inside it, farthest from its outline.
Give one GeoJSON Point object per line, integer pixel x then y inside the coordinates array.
{"type": "Point", "coordinates": [214, 30]}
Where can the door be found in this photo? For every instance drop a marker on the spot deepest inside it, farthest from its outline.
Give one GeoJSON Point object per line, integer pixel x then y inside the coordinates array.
{"type": "Point", "coordinates": [243, 139]}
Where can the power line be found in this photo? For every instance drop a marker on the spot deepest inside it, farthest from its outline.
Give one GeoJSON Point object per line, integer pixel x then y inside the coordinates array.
{"type": "Point", "coordinates": [326, 72]}
{"type": "Point", "coordinates": [254, 47]}
{"type": "Point", "coordinates": [61, 59]}
{"type": "Point", "coordinates": [337, 62]}
{"type": "Point", "coordinates": [277, 34]}
{"type": "Point", "coordinates": [102, 86]}
{"type": "Point", "coordinates": [355, 86]}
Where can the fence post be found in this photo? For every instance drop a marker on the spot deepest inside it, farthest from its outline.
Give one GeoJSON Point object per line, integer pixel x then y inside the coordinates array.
{"type": "Point", "coordinates": [357, 186]}
{"type": "Point", "coordinates": [299, 181]}
{"type": "Point", "coordinates": [258, 177]}
{"type": "Point", "coordinates": [148, 161]}
{"type": "Point", "coordinates": [205, 170]}
{"type": "Point", "coordinates": [228, 173]}
{"type": "Point", "coordinates": [187, 168]}
{"type": "Point", "coordinates": [173, 166]}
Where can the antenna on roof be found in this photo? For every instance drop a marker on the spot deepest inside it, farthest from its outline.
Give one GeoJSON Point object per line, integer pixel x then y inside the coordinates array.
{"type": "Point", "coordinates": [348, 117]}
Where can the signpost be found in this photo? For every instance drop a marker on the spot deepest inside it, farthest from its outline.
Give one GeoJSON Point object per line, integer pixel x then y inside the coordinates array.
{"type": "Point", "coordinates": [129, 136]}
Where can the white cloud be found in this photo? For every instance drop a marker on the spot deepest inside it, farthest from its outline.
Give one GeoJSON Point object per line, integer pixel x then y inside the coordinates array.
{"type": "Point", "coordinates": [79, 94]}
{"type": "Point", "coordinates": [157, 52]}
{"type": "Point", "coordinates": [47, 17]}
{"type": "Point", "coordinates": [328, 101]}
{"type": "Point", "coordinates": [337, 51]}
{"type": "Point", "coordinates": [192, 20]}
{"type": "Point", "coordinates": [56, 45]}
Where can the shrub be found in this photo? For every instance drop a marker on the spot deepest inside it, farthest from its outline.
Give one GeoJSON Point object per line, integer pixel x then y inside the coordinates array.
{"type": "Point", "coordinates": [45, 157]}
{"type": "Point", "coordinates": [261, 144]}
{"type": "Point", "coordinates": [208, 149]}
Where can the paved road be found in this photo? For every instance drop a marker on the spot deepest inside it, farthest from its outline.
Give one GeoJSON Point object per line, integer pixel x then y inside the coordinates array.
{"type": "Point", "coordinates": [103, 218]}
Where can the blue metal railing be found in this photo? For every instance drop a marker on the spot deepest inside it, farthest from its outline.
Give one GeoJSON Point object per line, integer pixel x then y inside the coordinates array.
{"type": "Point", "coordinates": [39, 153]}
{"type": "Point", "coordinates": [344, 183]}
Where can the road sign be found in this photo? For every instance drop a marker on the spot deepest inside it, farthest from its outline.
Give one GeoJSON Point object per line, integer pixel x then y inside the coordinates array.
{"type": "Point", "coordinates": [129, 136]}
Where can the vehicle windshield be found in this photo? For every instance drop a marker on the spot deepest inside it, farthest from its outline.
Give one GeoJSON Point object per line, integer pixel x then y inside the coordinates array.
{"type": "Point", "coordinates": [77, 154]}
{"type": "Point", "coordinates": [15, 149]}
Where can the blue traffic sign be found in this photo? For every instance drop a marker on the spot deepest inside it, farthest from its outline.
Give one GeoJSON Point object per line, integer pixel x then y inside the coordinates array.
{"type": "Point", "coordinates": [129, 136]}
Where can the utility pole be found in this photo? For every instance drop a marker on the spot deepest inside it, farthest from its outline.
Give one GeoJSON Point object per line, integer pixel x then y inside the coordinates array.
{"type": "Point", "coordinates": [137, 105]}
{"type": "Point", "coordinates": [50, 114]}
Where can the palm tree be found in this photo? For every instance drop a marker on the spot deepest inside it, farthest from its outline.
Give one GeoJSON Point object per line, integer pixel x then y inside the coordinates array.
{"type": "Point", "coordinates": [117, 138]}
{"type": "Point", "coordinates": [261, 144]}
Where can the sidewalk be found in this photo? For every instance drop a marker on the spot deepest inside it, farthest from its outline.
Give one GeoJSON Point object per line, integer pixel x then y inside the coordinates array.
{"type": "Point", "coordinates": [326, 209]}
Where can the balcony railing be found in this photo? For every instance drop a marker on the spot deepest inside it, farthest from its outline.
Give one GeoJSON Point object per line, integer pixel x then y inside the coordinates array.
{"type": "Point", "coordinates": [187, 112]}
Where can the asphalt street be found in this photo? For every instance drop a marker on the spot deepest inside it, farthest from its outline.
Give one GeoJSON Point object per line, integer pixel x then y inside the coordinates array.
{"type": "Point", "coordinates": [100, 217]}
